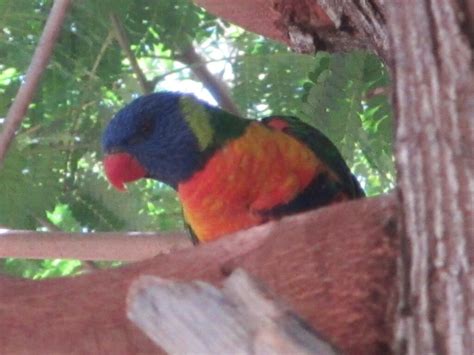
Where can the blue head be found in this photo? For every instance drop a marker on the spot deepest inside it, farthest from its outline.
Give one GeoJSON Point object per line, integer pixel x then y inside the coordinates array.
{"type": "Point", "coordinates": [152, 132]}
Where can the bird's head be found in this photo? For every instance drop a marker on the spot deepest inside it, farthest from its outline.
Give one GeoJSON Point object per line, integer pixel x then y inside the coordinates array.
{"type": "Point", "coordinates": [159, 136]}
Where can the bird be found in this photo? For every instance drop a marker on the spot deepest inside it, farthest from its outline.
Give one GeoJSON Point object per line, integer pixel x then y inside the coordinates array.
{"type": "Point", "coordinates": [230, 172]}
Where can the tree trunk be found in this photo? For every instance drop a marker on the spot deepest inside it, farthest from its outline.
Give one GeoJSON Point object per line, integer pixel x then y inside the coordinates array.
{"type": "Point", "coordinates": [434, 104]}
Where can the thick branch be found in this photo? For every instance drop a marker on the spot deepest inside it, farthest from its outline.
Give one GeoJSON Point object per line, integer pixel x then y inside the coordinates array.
{"type": "Point", "coordinates": [93, 246]}
{"type": "Point", "coordinates": [334, 266]}
{"type": "Point", "coordinates": [253, 15]}
{"type": "Point", "coordinates": [38, 64]}
{"type": "Point", "coordinates": [311, 25]}
{"type": "Point", "coordinates": [181, 318]}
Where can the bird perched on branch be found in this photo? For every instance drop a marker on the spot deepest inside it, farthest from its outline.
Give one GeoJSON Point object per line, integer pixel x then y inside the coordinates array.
{"type": "Point", "coordinates": [230, 173]}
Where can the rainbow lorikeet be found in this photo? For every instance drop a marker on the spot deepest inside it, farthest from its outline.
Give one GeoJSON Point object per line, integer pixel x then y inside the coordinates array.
{"type": "Point", "coordinates": [230, 173]}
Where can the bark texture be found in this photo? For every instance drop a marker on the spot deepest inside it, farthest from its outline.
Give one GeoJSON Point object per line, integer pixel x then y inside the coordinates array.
{"type": "Point", "coordinates": [308, 25]}
{"type": "Point", "coordinates": [335, 267]}
{"type": "Point", "coordinates": [434, 103]}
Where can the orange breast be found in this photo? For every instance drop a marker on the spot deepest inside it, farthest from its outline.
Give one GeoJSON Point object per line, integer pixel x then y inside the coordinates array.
{"type": "Point", "coordinates": [255, 172]}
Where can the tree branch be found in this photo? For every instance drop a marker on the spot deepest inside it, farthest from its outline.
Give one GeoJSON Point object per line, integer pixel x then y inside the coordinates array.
{"type": "Point", "coordinates": [216, 87]}
{"type": "Point", "coordinates": [93, 246]}
{"type": "Point", "coordinates": [257, 323]}
{"type": "Point", "coordinates": [87, 265]}
{"type": "Point", "coordinates": [100, 55]}
{"type": "Point", "coordinates": [124, 42]}
{"type": "Point", "coordinates": [335, 266]}
{"type": "Point", "coordinates": [308, 25]}
{"type": "Point", "coordinates": [188, 56]}
{"type": "Point", "coordinates": [38, 64]}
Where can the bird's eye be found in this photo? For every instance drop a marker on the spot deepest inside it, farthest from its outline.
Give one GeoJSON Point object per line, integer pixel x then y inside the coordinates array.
{"type": "Point", "coordinates": [146, 127]}
{"type": "Point", "coordinates": [144, 130]}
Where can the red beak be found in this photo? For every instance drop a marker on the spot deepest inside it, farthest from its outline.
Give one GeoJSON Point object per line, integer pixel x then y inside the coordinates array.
{"type": "Point", "coordinates": [121, 168]}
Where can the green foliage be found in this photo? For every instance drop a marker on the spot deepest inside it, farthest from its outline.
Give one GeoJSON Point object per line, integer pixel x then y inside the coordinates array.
{"type": "Point", "coordinates": [40, 269]}
{"type": "Point", "coordinates": [53, 172]}
{"type": "Point", "coordinates": [94, 205]}
{"type": "Point", "coordinates": [28, 185]}
{"type": "Point", "coordinates": [269, 78]}
{"type": "Point", "coordinates": [341, 101]}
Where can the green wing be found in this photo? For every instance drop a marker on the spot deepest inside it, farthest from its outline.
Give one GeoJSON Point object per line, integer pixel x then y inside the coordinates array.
{"type": "Point", "coordinates": [322, 147]}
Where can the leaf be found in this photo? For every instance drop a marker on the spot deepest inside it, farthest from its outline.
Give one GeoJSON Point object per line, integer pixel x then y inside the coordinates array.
{"type": "Point", "coordinates": [28, 186]}
{"type": "Point", "coordinates": [336, 104]}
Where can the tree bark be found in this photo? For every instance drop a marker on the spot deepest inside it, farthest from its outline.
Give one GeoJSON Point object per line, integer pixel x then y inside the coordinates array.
{"type": "Point", "coordinates": [434, 104]}
{"type": "Point", "coordinates": [308, 26]}
{"type": "Point", "coordinates": [334, 266]}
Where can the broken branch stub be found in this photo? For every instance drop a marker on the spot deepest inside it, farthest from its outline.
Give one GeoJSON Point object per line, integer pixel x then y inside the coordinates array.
{"type": "Point", "coordinates": [241, 318]}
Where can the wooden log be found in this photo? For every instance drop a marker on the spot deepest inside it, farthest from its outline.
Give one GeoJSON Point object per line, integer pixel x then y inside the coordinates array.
{"type": "Point", "coordinates": [241, 318]}
{"type": "Point", "coordinates": [335, 266]}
